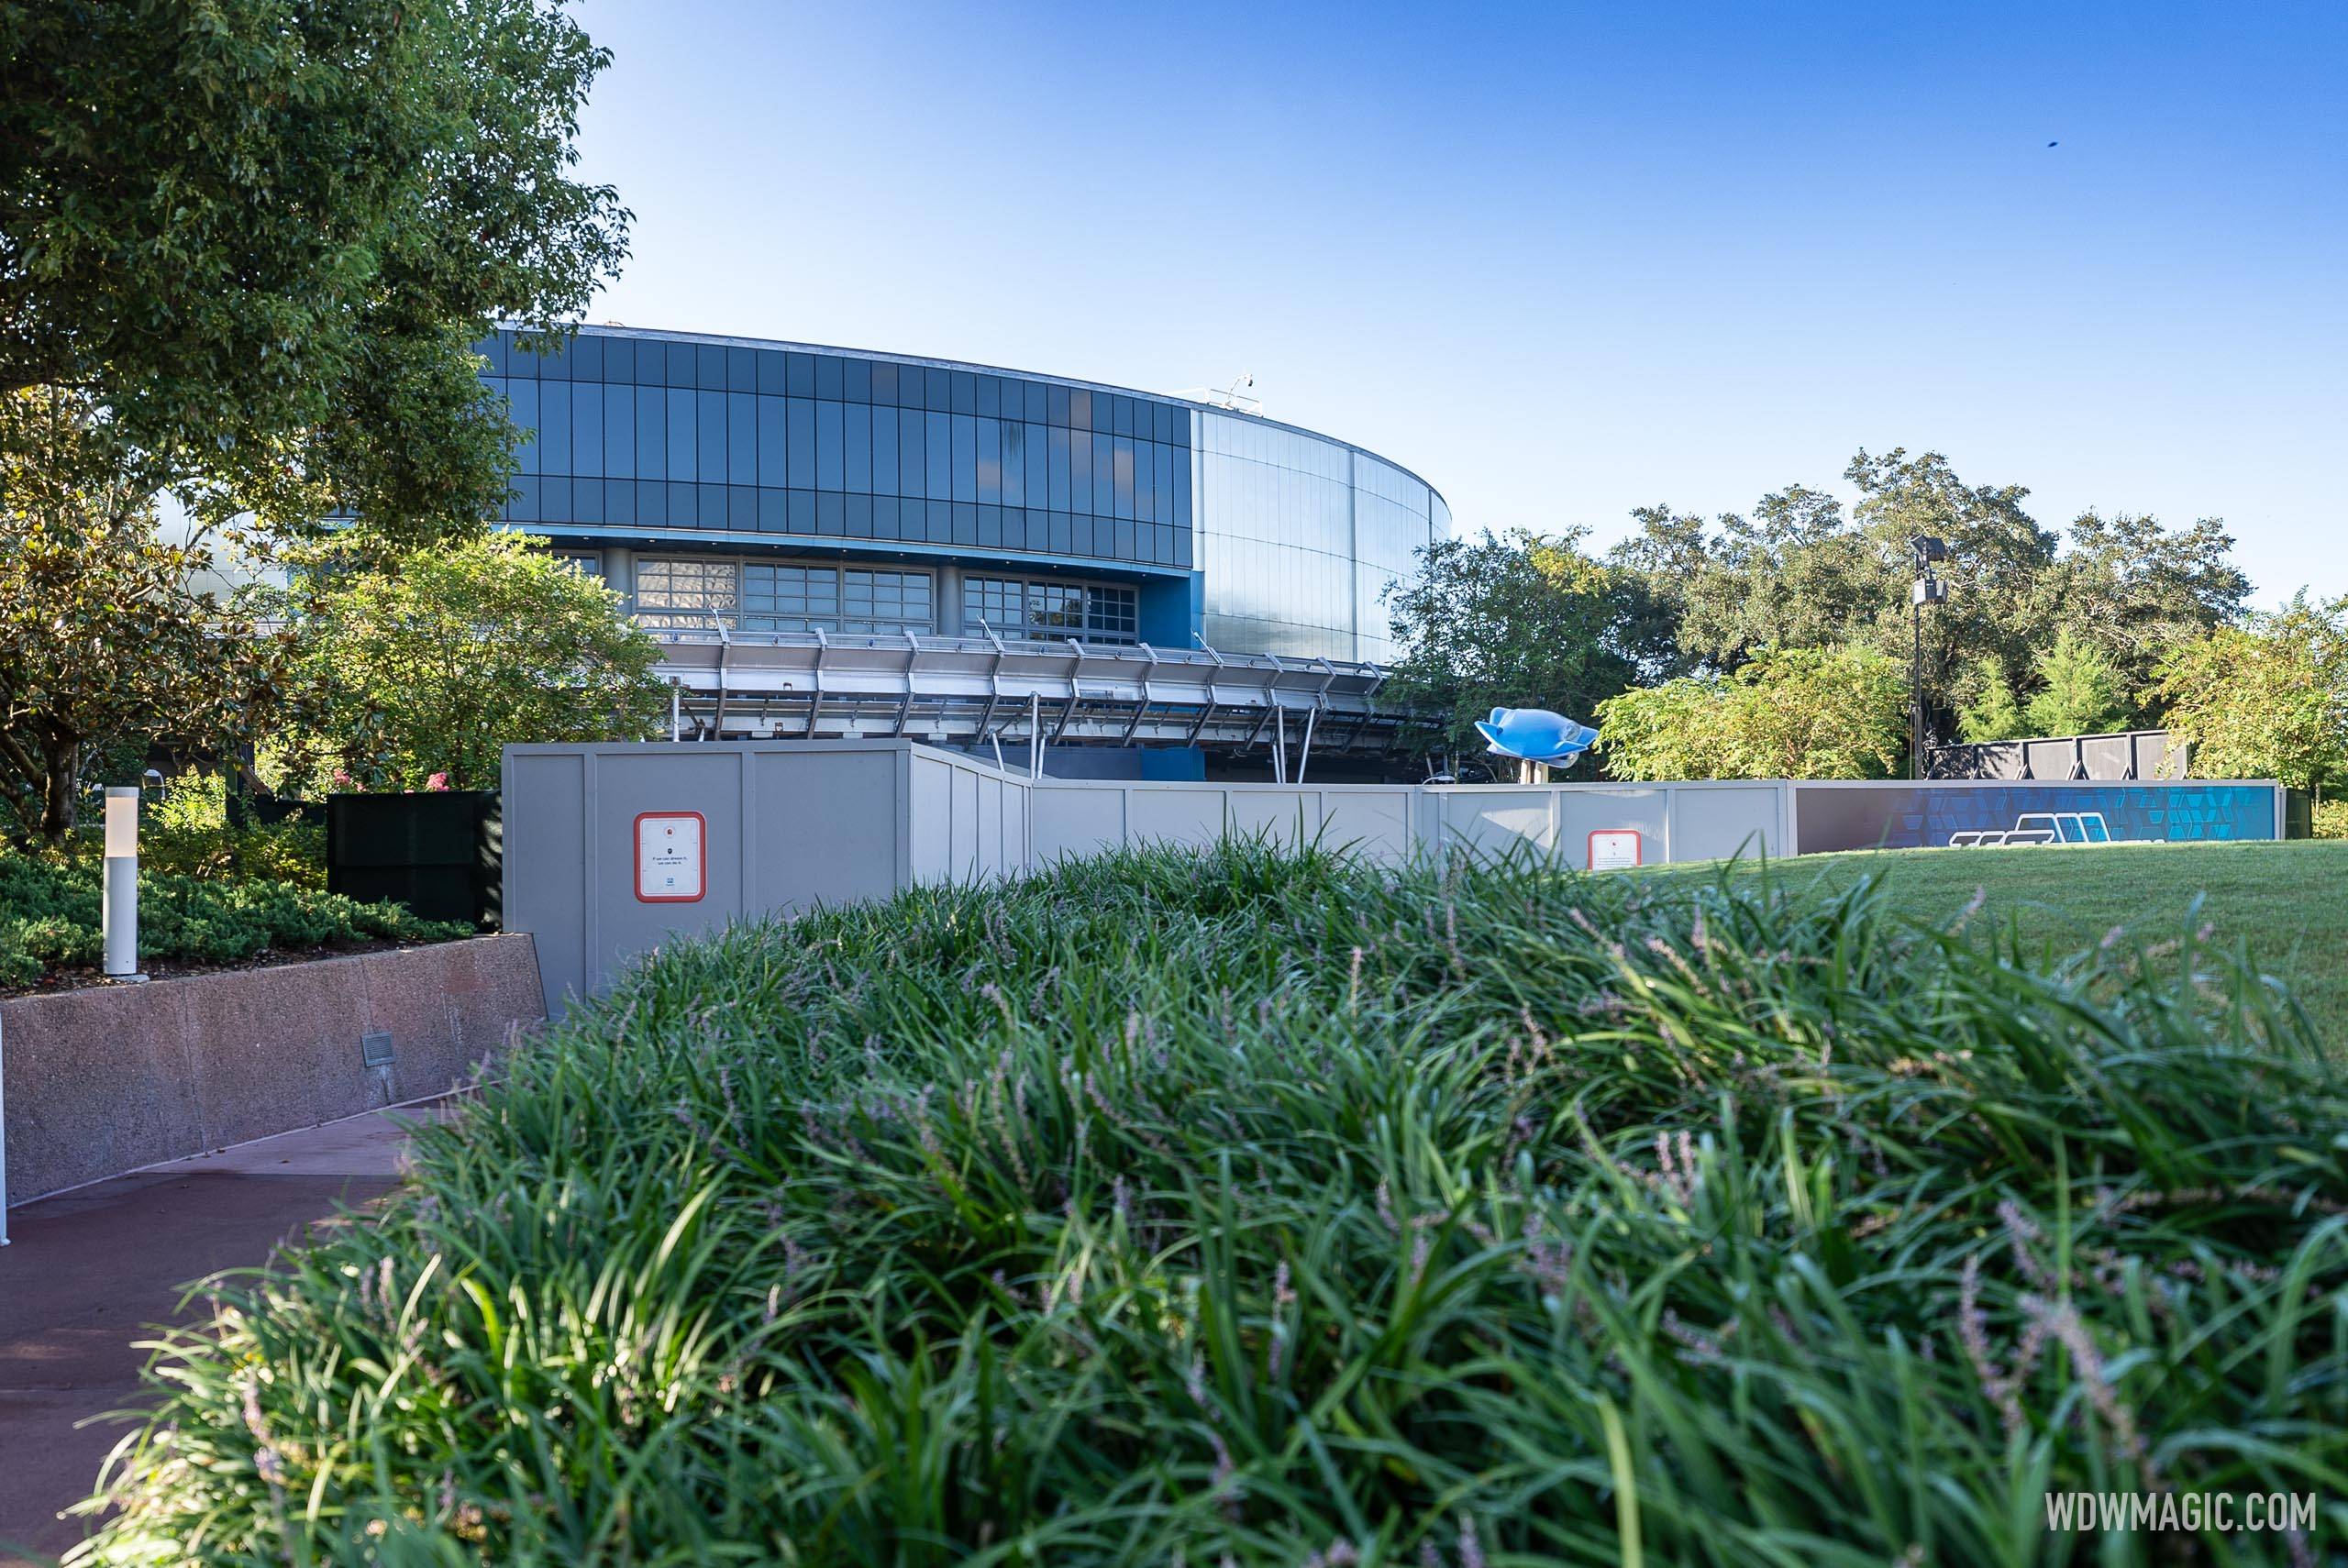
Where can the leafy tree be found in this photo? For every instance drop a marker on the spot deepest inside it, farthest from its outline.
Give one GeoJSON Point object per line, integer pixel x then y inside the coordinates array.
{"type": "Point", "coordinates": [432, 660]}
{"type": "Point", "coordinates": [1801, 572]}
{"type": "Point", "coordinates": [105, 646]}
{"type": "Point", "coordinates": [1787, 713]}
{"type": "Point", "coordinates": [2267, 698]}
{"type": "Point", "coordinates": [1990, 712]}
{"type": "Point", "coordinates": [1520, 621]}
{"type": "Point", "coordinates": [2079, 691]}
{"type": "Point", "coordinates": [262, 234]}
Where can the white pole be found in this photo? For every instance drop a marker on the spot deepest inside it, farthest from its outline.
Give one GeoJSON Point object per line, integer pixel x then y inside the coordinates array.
{"type": "Point", "coordinates": [1035, 735]}
{"type": "Point", "coordinates": [118, 909]}
{"type": "Point", "coordinates": [3, 1136]}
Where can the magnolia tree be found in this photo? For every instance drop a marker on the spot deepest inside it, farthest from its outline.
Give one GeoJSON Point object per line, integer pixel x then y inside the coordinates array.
{"type": "Point", "coordinates": [418, 668]}
{"type": "Point", "coordinates": [1788, 713]}
{"type": "Point", "coordinates": [107, 640]}
{"type": "Point", "coordinates": [263, 237]}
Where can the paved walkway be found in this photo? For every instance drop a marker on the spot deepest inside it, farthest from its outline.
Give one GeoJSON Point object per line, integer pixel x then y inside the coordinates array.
{"type": "Point", "coordinates": [89, 1271]}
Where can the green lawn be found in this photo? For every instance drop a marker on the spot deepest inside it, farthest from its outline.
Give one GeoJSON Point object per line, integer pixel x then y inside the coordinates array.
{"type": "Point", "coordinates": [2288, 901]}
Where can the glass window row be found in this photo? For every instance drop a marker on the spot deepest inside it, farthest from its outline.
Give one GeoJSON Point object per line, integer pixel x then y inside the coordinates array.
{"type": "Point", "coordinates": [1050, 611]}
{"type": "Point", "coordinates": [743, 508]}
{"type": "Point", "coordinates": [687, 592]}
{"type": "Point", "coordinates": [592, 356]}
{"type": "Point", "coordinates": [785, 443]}
{"type": "Point", "coordinates": [760, 596]}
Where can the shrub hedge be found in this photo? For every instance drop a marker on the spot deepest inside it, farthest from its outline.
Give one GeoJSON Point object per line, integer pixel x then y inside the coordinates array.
{"type": "Point", "coordinates": [1273, 1211]}
{"type": "Point", "coordinates": [49, 918]}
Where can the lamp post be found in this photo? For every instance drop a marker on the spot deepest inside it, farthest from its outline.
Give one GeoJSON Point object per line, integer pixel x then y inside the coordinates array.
{"type": "Point", "coordinates": [1926, 590]}
{"type": "Point", "coordinates": [118, 901]}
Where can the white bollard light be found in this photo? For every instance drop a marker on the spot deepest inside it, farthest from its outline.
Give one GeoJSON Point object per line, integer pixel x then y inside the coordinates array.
{"type": "Point", "coordinates": [119, 905]}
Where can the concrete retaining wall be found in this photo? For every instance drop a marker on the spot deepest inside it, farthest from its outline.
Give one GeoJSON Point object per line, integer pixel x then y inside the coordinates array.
{"type": "Point", "coordinates": [110, 1079]}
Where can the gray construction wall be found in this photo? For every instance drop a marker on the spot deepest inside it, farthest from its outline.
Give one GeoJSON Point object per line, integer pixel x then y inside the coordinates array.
{"type": "Point", "coordinates": [793, 825]}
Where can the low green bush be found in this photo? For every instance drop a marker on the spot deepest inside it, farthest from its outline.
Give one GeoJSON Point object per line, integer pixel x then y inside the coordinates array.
{"type": "Point", "coordinates": [1262, 1210]}
{"type": "Point", "coordinates": [49, 918]}
{"type": "Point", "coordinates": [187, 831]}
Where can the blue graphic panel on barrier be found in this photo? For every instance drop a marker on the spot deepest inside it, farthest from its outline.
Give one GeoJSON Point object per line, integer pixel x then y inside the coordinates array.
{"type": "Point", "coordinates": [1854, 816]}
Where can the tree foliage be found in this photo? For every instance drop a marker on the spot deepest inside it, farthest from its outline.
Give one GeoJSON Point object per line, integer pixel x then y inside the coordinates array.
{"type": "Point", "coordinates": [263, 235]}
{"type": "Point", "coordinates": [2079, 690]}
{"type": "Point", "coordinates": [1786, 713]}
{"type": "Point", "coordinates": [106, 642]}
{"type": "Point", "coordinates": [1525, 621]}
{"type": "Point", "coordinates": [1803, 572]}
{"type": "Point", "coordinates": [431, 661]}
{"type": "Point", "coordinates": [1987, 709]}
{"type": "Point", "coordinates": [2267, 698]}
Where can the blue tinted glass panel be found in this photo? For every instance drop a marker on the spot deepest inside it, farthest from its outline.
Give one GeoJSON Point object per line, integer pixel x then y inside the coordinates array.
{"type": "Point", "coordinates": [524, 397]}
{"type": "Point", "coordinates": [1079, 410]}
{"type": "Point", "coordinates": [884, 384]}
{"type": "Point", "coordinates": [827, 377]}
{"type": "Point", "coordinates": [937, 390]}
{"type": "Point", "coordinates": [683, 448]}
{"type": "Point", "coordinates": [1038, 452]}
{"type": "Point", "coordinates": [587, 429]}
{"type": "Point", "coordinates": [709, 506]}
{"type": "Point", "coordinates": [619, 502]}
{"type": "Point", "coordinates": [799, 374]}
{"type": "Point", "coordinates": [770, 375]}
{"type": "Point", "coordinates": [827, 437]}
{"type": "Point", "coordinates": [1057, 402]}
{"type": "Point", "coordinates": [709, 410]}
{"type": "Point", "coordinates": [587, 501]}
{"type": "Point", "coordinates": [523, 507]}
{"type": "Point", "coordinates": [990, 457]}
{"type": "Point", "coordinates": [679, 371]}
{"type": "Point", "coordinates": [619, 433]}
{"type": "Point", "coordinates": [800, 429]}
{"type": "Point", "coordinates": [773, 512]}
{"type": "Point", "coordinates": [1079, 471]}
{"type": "Point", "coordinates": [884, 444]}
{"type": "Point", "coordinates": [709, 367]}
{"type": "Point", "coordinates": [651, 503]}
{"type": "Point", "coordinates": [619, 365]}
{"type": "Point", "coordinates": [741, 370]}
{"type": "Point", "coordinates": [856, 379]}
{"type": "Point", "coordinates": [772, 469]}
{"type": "Point", "coordinates": [1057, 489]}
{"type": "Point", "coordinates": [741, 437]}
{"type": "Point", "coordinates": [912, 450]}
{"type": "Point", "coordinates": [1165, 457]}
{"type": "Point", "coordinates": [1104, 476]}
{"type": "Point", "coordinates": [966, 457]}
{"type": "Point", "coordinates": [1122, 454]}
{"type": "Point", "coordinates": [554, 428]}
{"type": "Point", "coordinates": [1145, 480]}
{"type": "Point", "coordinates": [585, 352]}
{"type": "Point", "coordinates": [940, 427]}
{"type": "Point", "coordinates": [856, 421]}
{"type": "Point", "coordinates": [859, 516]}
{"type": "Point", "coordinates": [651, 435]}
{"type": "Point", "coordinates": [1013, 463]}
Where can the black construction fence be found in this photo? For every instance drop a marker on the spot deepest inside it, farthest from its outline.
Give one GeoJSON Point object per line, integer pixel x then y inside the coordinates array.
{"type": "Point", "coordinates": [2123, 755]}
{"type": "Point", "coordinates": [439, 852]}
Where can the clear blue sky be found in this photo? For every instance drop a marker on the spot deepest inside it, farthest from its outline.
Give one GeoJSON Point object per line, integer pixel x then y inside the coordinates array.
{"type": "Point", "coordinates": [1559, 260]}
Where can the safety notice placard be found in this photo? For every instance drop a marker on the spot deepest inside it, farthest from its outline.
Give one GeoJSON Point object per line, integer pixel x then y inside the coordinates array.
{"type": "Point", "coordinates": [671, 857]}
{"type": "Point", "coordinates": [1610, 849]}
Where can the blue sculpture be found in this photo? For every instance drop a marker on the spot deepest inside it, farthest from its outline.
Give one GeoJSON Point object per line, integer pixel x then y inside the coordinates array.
{"type": "Point", "coordinates": [1536, 734]}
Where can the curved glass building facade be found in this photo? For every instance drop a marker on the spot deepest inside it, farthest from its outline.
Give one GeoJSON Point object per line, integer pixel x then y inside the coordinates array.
{"type": "Point", "coordinates": [782, 487]}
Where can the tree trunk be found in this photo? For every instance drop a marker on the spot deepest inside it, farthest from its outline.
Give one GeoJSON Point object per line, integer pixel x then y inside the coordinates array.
{"type": "Point", "coordinates": [64, 767]}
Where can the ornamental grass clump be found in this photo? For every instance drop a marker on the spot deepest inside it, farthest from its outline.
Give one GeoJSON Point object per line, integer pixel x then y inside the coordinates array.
{"type": "Point", "coordinates": [1193, 1208]}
